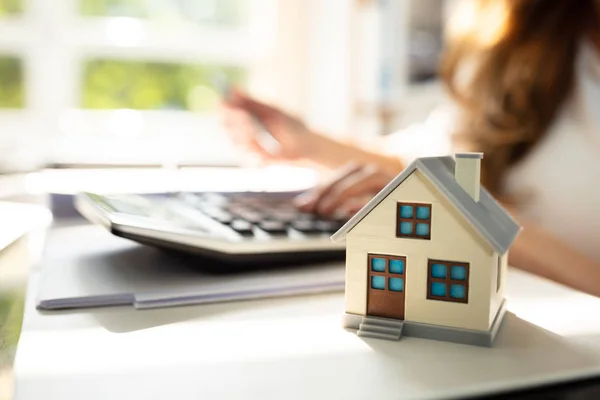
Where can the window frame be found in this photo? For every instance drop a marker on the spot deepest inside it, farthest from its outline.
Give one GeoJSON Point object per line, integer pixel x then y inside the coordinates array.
{"type": "Point", "coordinates": [448, 280]}
{"type": "Point", "coordinates": [53, 41]}
{"type": "Point", "coordinates": [413, 220]}
{"type": "Point", "coordinates": [386, 272]}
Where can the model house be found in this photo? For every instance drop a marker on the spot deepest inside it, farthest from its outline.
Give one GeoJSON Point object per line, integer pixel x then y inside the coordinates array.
{"type": "Point", "coordinates": [427, 256]}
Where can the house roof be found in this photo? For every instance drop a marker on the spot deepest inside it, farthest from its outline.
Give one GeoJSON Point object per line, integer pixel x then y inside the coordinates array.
{"type": "Point", "coordinates": [492, 221]}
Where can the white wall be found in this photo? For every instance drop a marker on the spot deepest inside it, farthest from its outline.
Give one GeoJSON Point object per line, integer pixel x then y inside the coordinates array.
{"type": "Point", "coordinates": [309, 71]}
{"type": "Point", "coordinates": [330, 46]}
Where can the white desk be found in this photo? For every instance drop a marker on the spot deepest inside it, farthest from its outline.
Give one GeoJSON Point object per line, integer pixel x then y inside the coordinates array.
{"type": "Point", "coordinates": [294, 348]}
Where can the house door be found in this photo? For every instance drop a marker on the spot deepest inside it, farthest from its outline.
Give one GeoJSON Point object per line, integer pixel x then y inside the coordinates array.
{"type": "Point", "coordinates": [386, 283]}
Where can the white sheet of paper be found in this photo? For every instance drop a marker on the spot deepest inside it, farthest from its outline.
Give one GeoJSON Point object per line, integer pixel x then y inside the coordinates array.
{"type": "Point", "coordinates": [100, 269]}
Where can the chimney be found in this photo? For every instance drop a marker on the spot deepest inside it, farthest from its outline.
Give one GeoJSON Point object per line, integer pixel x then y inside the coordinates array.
{"type": "Point", "coordinates": [467, 172]}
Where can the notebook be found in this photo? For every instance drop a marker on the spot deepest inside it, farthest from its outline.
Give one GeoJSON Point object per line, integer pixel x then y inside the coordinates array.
{"type": "Point", "coordinates": [86, 266]}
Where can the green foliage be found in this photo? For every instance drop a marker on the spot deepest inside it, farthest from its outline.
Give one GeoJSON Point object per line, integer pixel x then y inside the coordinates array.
{"type": "Point", "coordinates": [113, 84]}
{"type": "Point", "coordinates": [11, 7]}
{"type": "Point", "coordinates": [12, 93]}
{"type": "Point", "coordinates": [224, 12]}
{"type": "Point", "coordinates": [121, 8]}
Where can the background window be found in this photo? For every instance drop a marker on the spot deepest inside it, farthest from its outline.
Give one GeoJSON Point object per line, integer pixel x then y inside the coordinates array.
{"type": "Point", "coordinates": [115, 84]}
{"type": "Point", "coordinates": [221, 12]}
{"type": "Point", "coordinates": [130, 82]}
{"type": "Point", "coordinates": [413, 220]}
{"type": "Point", "coordinates": [11, 7]}
{"type": "Point", "coordinates": [448, 281]}
{"type": "Point", "coordinates": [66, 68]}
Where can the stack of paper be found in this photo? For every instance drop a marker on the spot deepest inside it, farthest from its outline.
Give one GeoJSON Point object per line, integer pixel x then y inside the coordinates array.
{"type": "Point", "coordinates": [87, 267]}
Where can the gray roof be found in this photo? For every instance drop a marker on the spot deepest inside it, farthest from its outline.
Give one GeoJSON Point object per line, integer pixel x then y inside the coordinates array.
{"type": "Point", "coordinates": [487, 216]}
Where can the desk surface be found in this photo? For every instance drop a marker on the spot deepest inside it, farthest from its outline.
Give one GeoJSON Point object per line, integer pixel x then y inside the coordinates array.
{"type": "Point", "coordinates": [295, 348]}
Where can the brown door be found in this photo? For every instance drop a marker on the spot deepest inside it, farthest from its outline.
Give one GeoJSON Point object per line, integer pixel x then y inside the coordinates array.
{"type": "Point", "coordinates": [386, 284]}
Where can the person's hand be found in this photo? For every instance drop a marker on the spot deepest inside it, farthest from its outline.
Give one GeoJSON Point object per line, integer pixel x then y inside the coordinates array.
{"type": "Point", "coordinates": [346, 192]}
{"type": "Point", "coordinates": [239, 115]}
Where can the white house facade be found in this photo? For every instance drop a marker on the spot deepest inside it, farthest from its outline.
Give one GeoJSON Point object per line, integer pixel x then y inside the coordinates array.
{"type": "Point", "coordinates": [427, 256]}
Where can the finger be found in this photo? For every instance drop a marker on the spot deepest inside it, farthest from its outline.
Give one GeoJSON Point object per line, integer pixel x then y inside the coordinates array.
{"type": "Point", "coordinates": [367, 181]}
{"type": "Point", "coordinates": [269, 143]}
{"type": "Point", "coordinates": [238, 126]}
{"type": "Point", "coordinates": [352, 206]}
{"type": "Point", "coordinates": [308, 200]}
{"type": "Point", "coordinates": [242, 130]}
{"type": "Point", "coordinates": [261, 110]}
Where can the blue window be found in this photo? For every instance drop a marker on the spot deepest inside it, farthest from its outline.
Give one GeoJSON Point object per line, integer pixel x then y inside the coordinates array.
{"type": "Point", "coordinates": [396, 284]}
{"type": "Point", "coordinates": [396, 266]}
{"type": "Point", "coordinates": [448, 281]}
{"type": "Point", "coordinates": [406, 228]}
{"type": "Point", "coordinates": [422, 212]}
{"type": "Point", "coordinates": [438, 289]}
{"type": "Point", "coordinates": [438, 271]}
{"type": "Point", "coordinates": [423, 230]}
{"type": "Point", "coordinates": [378, 264]}
{"type": "Point", "coordinates": [457, 291]}
{"type": "Point", "coordinates": [413, 221]}
{"type": "Point", "coordinates": [458, 272]}
{"type": "Point", "coordinates": [378, 282]}
{"type": "Point", "coordinates": [406, 211]}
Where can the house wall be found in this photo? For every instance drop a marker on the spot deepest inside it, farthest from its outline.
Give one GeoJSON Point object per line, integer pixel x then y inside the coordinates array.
{"type": "Point", "coordinates": [452, 239]}
{"type": "Point", "coordinates": [498, 294]}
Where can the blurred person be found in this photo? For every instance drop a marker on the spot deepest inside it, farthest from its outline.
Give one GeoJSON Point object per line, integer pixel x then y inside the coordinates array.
{"type": "Point", "coordinates": [524, 79]}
